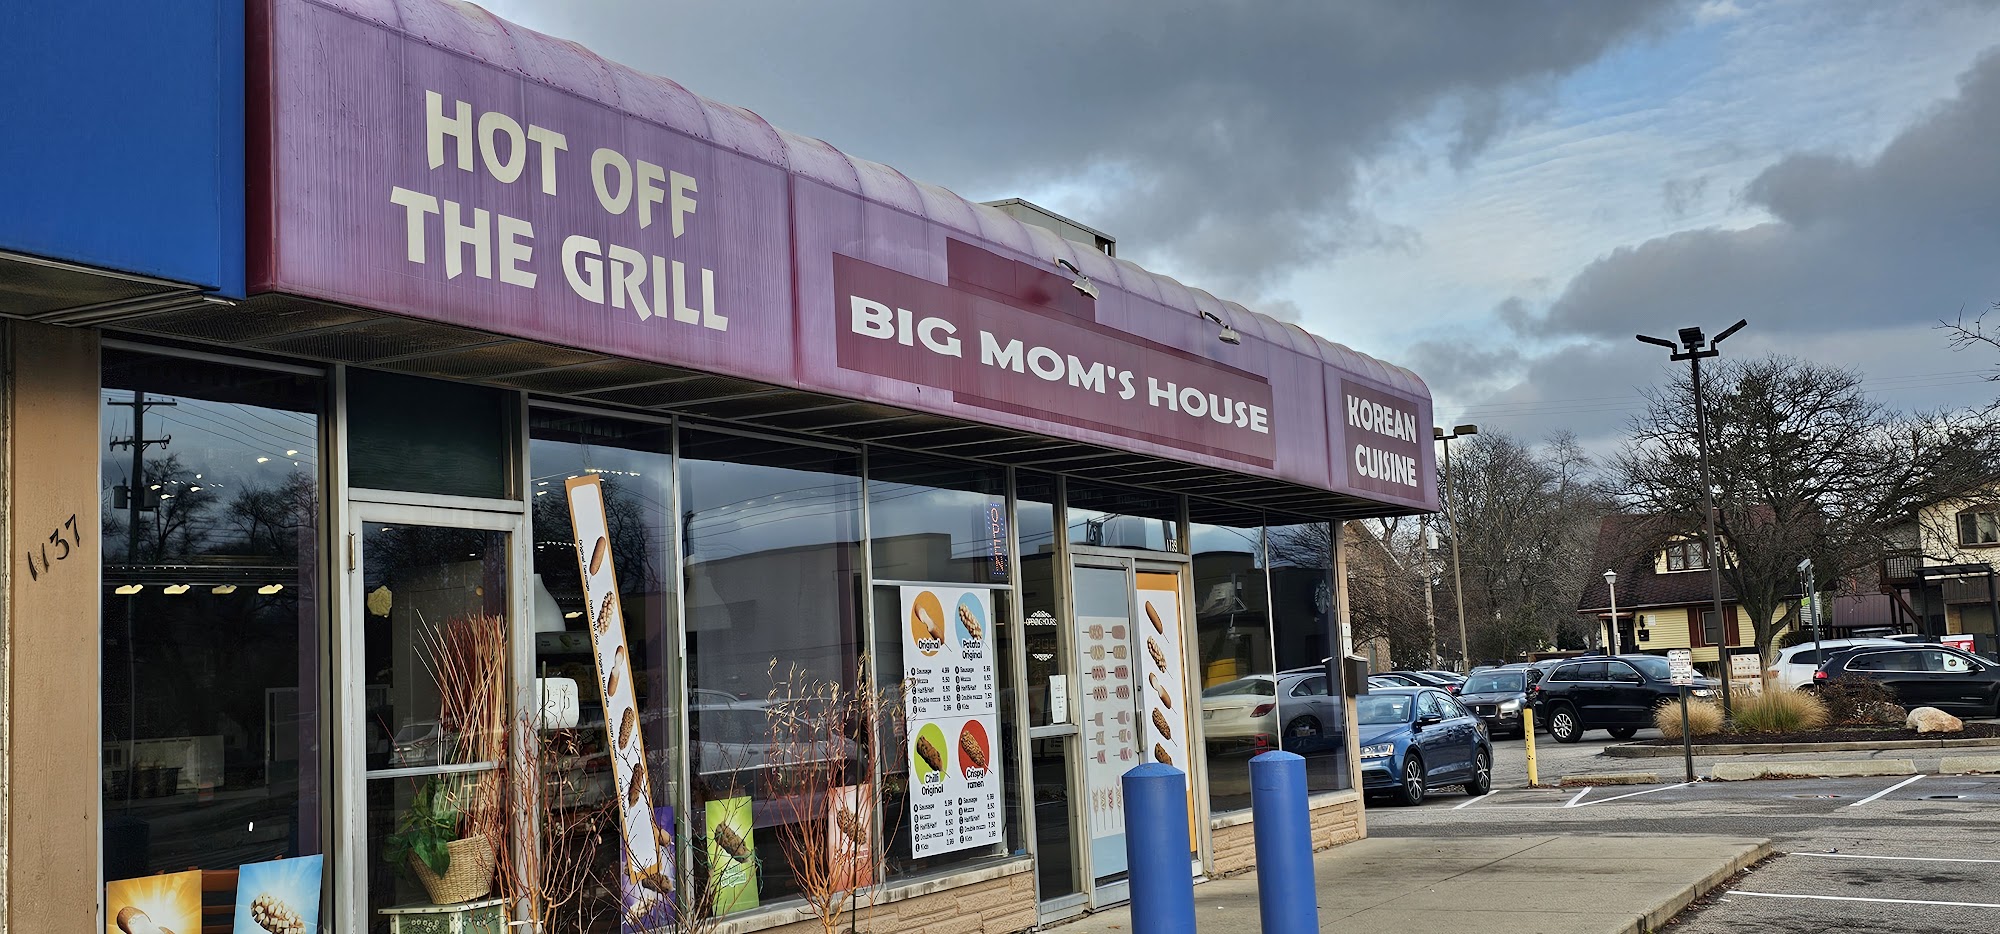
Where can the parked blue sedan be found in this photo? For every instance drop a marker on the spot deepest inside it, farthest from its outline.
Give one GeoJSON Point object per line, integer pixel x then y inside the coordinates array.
{"type": "Point", "coordinates": [1416, 739]}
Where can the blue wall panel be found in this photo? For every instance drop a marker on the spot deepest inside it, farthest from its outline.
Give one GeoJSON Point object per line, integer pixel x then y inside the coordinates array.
{"type": "Point", "coordinates": [121, 136]}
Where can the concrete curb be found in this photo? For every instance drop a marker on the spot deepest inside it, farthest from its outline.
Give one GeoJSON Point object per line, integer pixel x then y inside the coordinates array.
{"type": "Point", "coordinates": [1608, 778]}
{"type": "Point", "coordinates": [1745, 771]}
{"type": "Point", "coordinates": [1656, 918]}
{"type": "Point", "coordinates": [1634, 751]}
{"type": "Point", "coordinates": [1967, 765]}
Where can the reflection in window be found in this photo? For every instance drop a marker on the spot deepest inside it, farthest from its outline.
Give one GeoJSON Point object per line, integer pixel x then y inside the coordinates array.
{"type": "Point", "coordinates": [1233, 637]}
{"type": "Point", "coordinates": [937, 520]}
{"type": "Point", "coordinates": [771, 534]}
{"type": "Point", "coordinates": [634, 466]}
{"type": "Point", "coordinates": [1122, 517]}
{"type": "Point", "coordinates": [1304, 633]}
{"type": "Point", "coordinates": [210, 625]}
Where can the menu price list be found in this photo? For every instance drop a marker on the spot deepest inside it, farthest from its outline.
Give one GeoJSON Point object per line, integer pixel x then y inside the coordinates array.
{"type": "Point", "coordinates": [952, 703]}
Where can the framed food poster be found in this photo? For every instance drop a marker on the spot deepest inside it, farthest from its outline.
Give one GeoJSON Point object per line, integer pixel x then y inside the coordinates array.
{"type": "Point", "coordinates": [732, 854]}
{"type": "Point", "coordinates": [278, 897]}
{"type": "Point", "coordinates": [1163, 712]}
{"type": "Point", "coordinates": [149, 904]}
{"type": "Point", "coordinates": [851, 851]}
{"type": "Point", "coordinates": [951, 697]}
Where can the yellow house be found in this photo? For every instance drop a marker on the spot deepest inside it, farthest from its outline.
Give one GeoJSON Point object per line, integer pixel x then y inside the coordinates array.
{"type": "Point", "coordinates": [1959, 540]}
{"type": "Point", "coordinates": [1664, 596]}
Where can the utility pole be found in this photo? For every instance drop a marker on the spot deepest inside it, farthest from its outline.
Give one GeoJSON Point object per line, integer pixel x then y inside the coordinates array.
{"type": "Point", "coordinates": [1457, 584]}
{"type": "Point", "coordinates": [137, 492]}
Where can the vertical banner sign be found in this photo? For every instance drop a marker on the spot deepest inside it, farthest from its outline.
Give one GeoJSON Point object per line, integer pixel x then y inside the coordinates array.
{"type": "Point", "coordinates": [648, 857]}
{"type": "Point", "coordinates": [951, 698]}
{"type": "Point", "coordinates": [1161, 657]}
{"type": "Point", "coordinates": [732, 854]}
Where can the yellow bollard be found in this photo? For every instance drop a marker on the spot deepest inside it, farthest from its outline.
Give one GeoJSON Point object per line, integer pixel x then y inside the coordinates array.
{"type": "Point", "coordinates": [1528, 734]}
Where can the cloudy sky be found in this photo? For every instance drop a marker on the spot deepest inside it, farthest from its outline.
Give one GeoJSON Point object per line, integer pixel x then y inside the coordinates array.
{"type": "Point", "coordinates": [1497, 195]}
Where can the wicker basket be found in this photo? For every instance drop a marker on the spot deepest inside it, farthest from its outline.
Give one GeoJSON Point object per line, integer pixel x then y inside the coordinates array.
{"type": "Point", "coordinates": [469, 876]}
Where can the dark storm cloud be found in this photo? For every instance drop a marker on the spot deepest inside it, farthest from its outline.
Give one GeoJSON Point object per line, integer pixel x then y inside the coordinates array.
{"type": "Point", "coordinates": [1907, 237]}
{"type": "Point", "coordinates": [1223, 137]}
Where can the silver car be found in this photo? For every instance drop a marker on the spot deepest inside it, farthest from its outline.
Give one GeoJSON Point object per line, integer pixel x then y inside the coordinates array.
{"type": "Point", "coordinates": [1292, 710]}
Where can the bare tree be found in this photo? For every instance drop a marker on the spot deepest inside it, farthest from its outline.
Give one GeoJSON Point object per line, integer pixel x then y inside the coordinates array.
{"type": "Point", "coordinates": [1805, 465]}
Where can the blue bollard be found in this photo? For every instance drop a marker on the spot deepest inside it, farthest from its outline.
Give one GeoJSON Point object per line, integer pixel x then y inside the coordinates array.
{"type": "Point", "coordinates": [1157, 850]}
{"type": "Point", "coordinates": [1287, 896]}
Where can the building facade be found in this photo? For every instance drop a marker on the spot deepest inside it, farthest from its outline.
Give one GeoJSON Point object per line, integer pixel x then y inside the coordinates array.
{"type": "Point", "coordinates": [441, 330]}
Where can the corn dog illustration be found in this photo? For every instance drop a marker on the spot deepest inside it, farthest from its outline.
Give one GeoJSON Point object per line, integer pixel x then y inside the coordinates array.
{"type": "Point", "coordinates": [971, 625]}
{"type": "Point", "coordinates": [598, 553]}
{"type": "Point", "coordinates": [969, 748]}
{"type": "Point", "coordinates": [932, 629]}
{"type": "Point", "coordinates": [1160, 690]}
{"type": "Point", "coordinates": [1160, 723]}
{"type": "Point", "coordinates": [932, 756]}
{"type": "Point", "coordinates": [1153, 616]}
{"type": "Point", "coordinates": [1159, 655]}
{"type": "Point", "coordinates": [604, 610]}
{"type": "Point", "coordinates": [636, 792]}
{"type": "Point", "coordinates": [851, 826]}
{"type": "Point", "coordinates": [628, 727]}
{"type": "Point", "coordinates": [1160, 753]}
{"type": "Point", "coordinates": [617, 665]}
{"type": "Point", "coordinates": [732, 843]}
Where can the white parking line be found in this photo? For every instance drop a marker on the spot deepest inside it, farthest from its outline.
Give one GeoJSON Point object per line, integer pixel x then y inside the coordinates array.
{"type": "Point", "coordinates": [1472, 801]}
{"type": "Point", "coordinates": [1631, 795]}
{"type": "Point", "coordinates": [1880, 901]}
{"type": "Point", "coordinates": [1579, 797]}
{"type": "Point", "coordinates": [1908, 781]}
{"type": "Point", "coordinates": [1914, 859]}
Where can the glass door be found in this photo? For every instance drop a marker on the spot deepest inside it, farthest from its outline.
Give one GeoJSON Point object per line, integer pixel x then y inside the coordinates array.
{"type": "Point", "coordinates": [1132, 676]}
{"type": "Point", "coordinates": [428, 687]}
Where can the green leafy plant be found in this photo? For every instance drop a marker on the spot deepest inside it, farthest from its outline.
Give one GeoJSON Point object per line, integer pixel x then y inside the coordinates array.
{"type": "Point", "coordinates": [425, 829]}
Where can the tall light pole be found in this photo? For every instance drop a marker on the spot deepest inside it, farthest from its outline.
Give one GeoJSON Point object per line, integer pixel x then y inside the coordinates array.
{"type": "Point", "coordinates": [1611, 581]}
{"type": "Point", "coordinates": [1698, 348]}
{"type": "Point", "coordinates": [1457, 584]}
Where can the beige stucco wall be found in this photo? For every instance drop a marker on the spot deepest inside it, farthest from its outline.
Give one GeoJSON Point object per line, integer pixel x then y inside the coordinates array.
{"type": "Point", "coordinates": [52, 790]}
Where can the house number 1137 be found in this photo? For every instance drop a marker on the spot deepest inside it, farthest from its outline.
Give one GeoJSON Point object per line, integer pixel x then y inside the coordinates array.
{"type": "Point", "coordinates": [58, 546]}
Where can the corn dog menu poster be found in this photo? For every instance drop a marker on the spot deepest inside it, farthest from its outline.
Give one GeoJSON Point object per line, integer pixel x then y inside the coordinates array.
{"type": "Point", "coordinates": [1163, 711]}
{"type": "Point", "coordinates": [649, 864]}
{"type": "Point", "coordinates": [949, 694]}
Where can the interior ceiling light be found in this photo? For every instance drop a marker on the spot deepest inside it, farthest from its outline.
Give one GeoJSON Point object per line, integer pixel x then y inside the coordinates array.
{"type": "Point", "coordinates": [263, 460]}
{"type": "Point", "coordinates": [175, 589]}
{"type": "Point", "coordinates": [224, 589]}
{"type": "Point", "coordinates": [292, 453]}
{"type": "Point", "coordinates": [269, 589]}
{"type": "Point", "coordinates": [1082, 283]}
{"type": "Point", "coordinates": [572, 614]}
{"type": "Point", "coordinates": [129, 589]}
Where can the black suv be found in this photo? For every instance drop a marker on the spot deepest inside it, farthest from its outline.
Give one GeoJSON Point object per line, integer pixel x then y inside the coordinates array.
{"type": "Point", "coordinates": [1921, 676]}
{"type": "Point", "coordinates": [1617, 694]}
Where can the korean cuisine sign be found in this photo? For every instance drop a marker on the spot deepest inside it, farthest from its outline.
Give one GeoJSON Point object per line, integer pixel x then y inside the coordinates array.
{"type": "Point", "coordinates": [1384, 441]}
{"type": "Point", "coordinates": [649, 864]}
{"type": "Point", "coordinates": [952, 701]}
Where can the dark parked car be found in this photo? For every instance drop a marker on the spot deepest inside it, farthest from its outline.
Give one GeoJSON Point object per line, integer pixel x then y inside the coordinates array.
{"type": "Point", "coordinates": [1617, 694]}
{"type": "Point", "coordinates": [1416, 739]}
{"type": "Point", "coordinates": [1498, 696]}
{"type": "Point", "coordinates": [1922, 676]}
{"type": "Point", "coordinates": [1430, 679]}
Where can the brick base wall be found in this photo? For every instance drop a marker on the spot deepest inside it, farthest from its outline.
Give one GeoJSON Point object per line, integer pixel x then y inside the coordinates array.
{"type": "Point", "coordinates": [995, 906]}
{"type": "Point", "coordinates": [1339, 822]}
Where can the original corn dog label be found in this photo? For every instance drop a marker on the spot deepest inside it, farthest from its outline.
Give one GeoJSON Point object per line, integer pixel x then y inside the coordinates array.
{"type": "Point", "coordinates": [951, 699]}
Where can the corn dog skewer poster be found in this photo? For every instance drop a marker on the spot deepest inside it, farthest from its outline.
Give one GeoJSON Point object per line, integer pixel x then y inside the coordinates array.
{"type": "Point", "coordinates": [649, 866]}
{"type": "Point", "coordinates": [950, 694]}
{"type": "Point", "coordinates": [1165, 708]}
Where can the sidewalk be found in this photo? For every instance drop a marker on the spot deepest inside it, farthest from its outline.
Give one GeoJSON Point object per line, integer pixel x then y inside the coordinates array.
{"type": "Point", "coordinates": [1492, 885]}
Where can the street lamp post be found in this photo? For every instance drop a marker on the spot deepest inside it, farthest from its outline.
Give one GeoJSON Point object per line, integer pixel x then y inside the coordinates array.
{"type": "Point", "coordinates": [1611, 581]}
{"type": "Point", "coordinates": [1693, 340]}
{"type": "Point", "coordinates": [1457, 584]}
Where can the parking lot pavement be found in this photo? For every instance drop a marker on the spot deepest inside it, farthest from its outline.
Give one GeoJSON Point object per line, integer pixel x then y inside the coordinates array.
{"type": "Point", "coordinates": [1873, 889]}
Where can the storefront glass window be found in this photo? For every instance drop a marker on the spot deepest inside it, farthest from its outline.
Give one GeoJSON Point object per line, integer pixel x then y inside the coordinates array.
{"type": "Point", "coordinates": [937, 520]}
{"type": "Point", "coordinates": [1047, 662]}
{"type": "Point", "coordinates": [1123, 517]}
{"type": "Point", "coordinates": [632, 461]}
{"type": "Point", "coordinates": [1239, 693]}
{"type": "Point", "coordinates": [211, 614]}
{"type": "Point", "coordinates": [1303, 616]}
{"type": "Point", "coordinates": [771, 538]}
{"type": "Point", "coordinates": [428, 436]}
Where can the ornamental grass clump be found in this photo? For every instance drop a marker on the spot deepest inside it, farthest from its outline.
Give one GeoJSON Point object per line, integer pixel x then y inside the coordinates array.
{"type": "Point", "coordinates": [1780, 711]}
{"type": "Point", "coordinates": [1704, 718]}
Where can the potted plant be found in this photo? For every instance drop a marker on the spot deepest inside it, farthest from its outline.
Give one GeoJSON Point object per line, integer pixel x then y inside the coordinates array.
{"type": "Point", "coordinates": [428, 844]}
